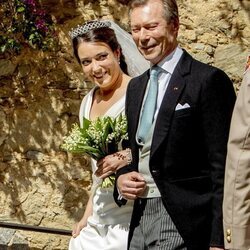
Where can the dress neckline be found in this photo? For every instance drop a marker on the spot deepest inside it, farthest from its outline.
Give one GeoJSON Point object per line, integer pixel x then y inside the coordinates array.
{"type": "Point", "coordinates": [108, 111]}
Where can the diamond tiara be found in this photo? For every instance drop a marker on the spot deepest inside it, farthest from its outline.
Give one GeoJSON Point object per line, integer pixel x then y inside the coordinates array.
{"type": "Point", "coordinates": [90, 25]}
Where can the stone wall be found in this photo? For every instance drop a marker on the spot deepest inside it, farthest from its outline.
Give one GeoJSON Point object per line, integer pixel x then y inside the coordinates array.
{"type": "Point", "coordinates": [40, 94]}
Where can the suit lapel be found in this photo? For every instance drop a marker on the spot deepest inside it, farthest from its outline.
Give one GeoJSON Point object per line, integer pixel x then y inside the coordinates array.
{"type": "Point", "coordinates": [135, 100]}
{"type": "Point", "coordinates": [170, 100]}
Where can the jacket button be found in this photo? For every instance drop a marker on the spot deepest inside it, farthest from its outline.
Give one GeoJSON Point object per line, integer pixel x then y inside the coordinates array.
{"type": "Point", "coordinates": [228, 239]}
{"type": "Point", "coordinates": [228, 232]}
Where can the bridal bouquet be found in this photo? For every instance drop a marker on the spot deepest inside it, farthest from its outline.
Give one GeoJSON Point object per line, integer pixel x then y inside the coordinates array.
{"type": "Point", "coordinates": [97, 139]}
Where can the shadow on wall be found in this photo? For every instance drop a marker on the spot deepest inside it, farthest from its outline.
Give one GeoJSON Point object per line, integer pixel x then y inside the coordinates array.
{"type": "Point", "coordinates": [235, 27]}
{"type": "Point", "coordinates": [39, 100]}
{"type": "Point", "coordinates": [245, 4]}
{"type": "Point", "coordinates": [15, 247]}
{"type": "Point", "coordinates": [38, 104]}
{"type": "Point", "coordinates": [64, 10]}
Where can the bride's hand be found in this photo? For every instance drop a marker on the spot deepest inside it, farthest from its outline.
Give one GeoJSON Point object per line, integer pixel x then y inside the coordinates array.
{"type": "Point", "coordinates": [111, 163]}
{"type": "Point", "coordinates": [77, 228]}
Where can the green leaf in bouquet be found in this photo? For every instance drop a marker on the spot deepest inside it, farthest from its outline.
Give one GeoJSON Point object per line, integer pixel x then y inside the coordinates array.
{"type": "Point", "coordinates": [119, 118]}
{"type": "Point", "coordinates": [112, 124]}
{"type": "Point", "coordinates": [97, 124]}
{"type": "Point", "coordinates": [97, 154]}
{"type": "Point", "coordinates": [107, 129]}
{"type": "Point", "coordinates": [108, 181]}
{"type": "Point", "coordinates": [85, 123]}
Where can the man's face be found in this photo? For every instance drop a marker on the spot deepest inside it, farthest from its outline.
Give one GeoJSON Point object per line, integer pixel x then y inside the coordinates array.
{"type": "Point", "coordinates": [154, 37]}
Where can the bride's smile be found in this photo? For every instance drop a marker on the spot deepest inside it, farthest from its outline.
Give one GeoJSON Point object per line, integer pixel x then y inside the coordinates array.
{"type": "Point", "coordinates": [100, 64]}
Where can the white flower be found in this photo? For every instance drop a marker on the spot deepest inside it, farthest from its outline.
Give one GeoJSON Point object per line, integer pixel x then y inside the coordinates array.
{"type": "Point", "coordinates": [97, 138]}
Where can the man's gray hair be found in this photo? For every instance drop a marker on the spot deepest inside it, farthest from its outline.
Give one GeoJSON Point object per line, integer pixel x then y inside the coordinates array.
{"type": "Point", "coordinates": [170, 8]}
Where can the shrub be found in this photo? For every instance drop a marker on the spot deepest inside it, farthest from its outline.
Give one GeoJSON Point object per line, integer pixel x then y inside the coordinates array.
{"type": "Point", "coordinates": [24, 23]}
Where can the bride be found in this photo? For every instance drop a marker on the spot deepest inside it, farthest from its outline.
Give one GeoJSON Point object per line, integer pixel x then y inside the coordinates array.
{"type": "Point", "coordinates": [104, 225]}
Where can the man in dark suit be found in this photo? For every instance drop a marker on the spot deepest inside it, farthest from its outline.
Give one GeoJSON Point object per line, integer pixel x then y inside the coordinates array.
{"type": "Point", "coordinates": [178, 154]}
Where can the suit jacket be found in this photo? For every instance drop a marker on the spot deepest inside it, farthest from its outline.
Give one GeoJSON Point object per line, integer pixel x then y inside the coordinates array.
{"type": "Point", "coordinates": [188, 150]}
{"type": "Point", "coordinates": [236, 206]}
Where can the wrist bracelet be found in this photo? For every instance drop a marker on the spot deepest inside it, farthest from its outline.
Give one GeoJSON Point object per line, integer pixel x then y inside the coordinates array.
{"type": "Point", "coordinates": [129, 156]}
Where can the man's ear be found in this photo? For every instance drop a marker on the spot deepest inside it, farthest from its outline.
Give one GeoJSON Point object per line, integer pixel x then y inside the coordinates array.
{"type": "Point", "coordinates": [176, 24]}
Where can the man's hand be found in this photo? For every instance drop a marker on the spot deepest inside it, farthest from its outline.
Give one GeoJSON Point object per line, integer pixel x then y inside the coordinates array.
{"type": "Point", "coordinates": [131, 185]}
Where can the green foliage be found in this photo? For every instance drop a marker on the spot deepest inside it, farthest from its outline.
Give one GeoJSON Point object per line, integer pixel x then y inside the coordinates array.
{"type": "Point", "coordinates": [97, 139]}
{"type": "Point", "coordinates": [25, 23]}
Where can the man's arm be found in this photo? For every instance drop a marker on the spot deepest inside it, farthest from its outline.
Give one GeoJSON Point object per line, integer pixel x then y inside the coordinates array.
{"type": "Point", "coordinates": [236, 215]}
{"type": "Point", "coordinates": [217, 102]}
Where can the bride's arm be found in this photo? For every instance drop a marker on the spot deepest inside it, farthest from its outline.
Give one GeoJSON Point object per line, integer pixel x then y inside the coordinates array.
{"type": "Point", "coordinates": [83, 222]}
{"type": "Point", "coordinates": [111, 163]}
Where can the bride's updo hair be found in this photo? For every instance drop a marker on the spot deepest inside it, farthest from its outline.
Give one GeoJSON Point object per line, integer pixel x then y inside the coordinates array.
{"type": "Point", "coordinates": [102, 34]}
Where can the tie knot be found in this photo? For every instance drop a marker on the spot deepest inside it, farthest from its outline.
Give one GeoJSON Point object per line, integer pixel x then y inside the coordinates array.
{"type": "Point", "coordinates": [155, 70]}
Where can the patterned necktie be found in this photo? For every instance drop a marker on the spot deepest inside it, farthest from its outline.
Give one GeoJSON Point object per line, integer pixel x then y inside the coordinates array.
{"type": "Point", "coordinates": [148, 111]}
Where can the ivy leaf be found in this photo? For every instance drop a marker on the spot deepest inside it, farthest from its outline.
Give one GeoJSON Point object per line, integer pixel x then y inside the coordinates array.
{"type": "Point", "coordinates": [20, 9]}
{"type": "Point", "coordinates": [3, 48]}
{"type": "Point", "coordinates": [32, 36]}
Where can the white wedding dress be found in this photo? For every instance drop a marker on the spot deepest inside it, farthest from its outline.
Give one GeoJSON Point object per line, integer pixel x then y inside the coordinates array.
{"type": "Point", "coordinates": [107, 228]}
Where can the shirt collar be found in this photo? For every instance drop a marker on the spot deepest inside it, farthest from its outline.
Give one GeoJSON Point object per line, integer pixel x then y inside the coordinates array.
{"type": "Point", "coordinates": [169, 62]}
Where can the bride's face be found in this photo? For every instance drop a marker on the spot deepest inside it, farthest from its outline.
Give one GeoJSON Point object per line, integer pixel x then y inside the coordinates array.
{"type": "Point", "coordinates": [99, 63]}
